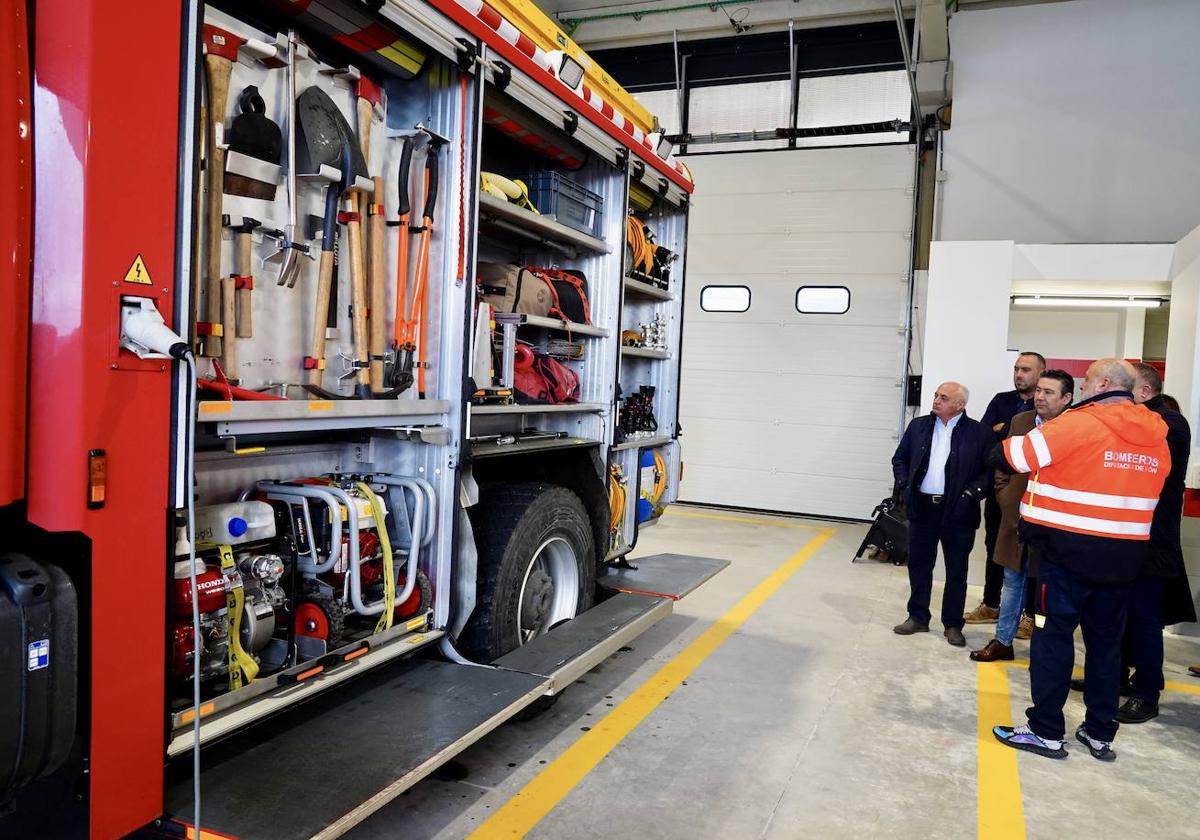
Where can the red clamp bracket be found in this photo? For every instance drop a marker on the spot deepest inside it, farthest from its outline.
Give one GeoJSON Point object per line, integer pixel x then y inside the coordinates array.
{"type": "Point", "coordinates": [313, 364]}
{"type": "Point", "coordinates": [206, 328]}
{"type": "Point", "coordinates": [346, 216]}
{"type": "Point", "coordinates": [243, 281]}
{"type": "Point", "coordinates": [375, 209]}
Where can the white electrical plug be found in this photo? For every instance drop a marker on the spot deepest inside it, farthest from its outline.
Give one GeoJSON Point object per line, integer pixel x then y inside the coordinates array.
{"type": "Point", "coordinates": [144, 333]}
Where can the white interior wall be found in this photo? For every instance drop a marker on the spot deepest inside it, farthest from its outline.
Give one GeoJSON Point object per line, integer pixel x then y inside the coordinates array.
{"type": "Point", "coordinates": [966, 323]}
{"type": "Point", "coordinates": [1065, 333]}
{"type": "Point", "coordinates": [1071, 123]}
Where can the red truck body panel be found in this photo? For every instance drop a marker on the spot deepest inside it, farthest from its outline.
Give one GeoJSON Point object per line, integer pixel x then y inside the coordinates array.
{"type": "Point", "coordinates": [16, 233]}
{"type": "Point", "coordinates": [106, 107]}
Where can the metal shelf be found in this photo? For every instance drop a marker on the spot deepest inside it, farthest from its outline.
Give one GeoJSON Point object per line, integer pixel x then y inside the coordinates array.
{"type": "Point", "coordinates": [565, 408]}
{"type": "Point", "coordinates": [490, 448]}
{"type": "Point", "coordinates": [645, 353]}
{"type": "Point", "coordinates": [537, 228]}
{"type": "Point", "coordinates": [542, 321]}
{"type": "Point", "coordinates": [642, 443]}
{"type": "Point", "coordinates": [266, 417]}
{"type": "Point", "coordinates": [641, 287]}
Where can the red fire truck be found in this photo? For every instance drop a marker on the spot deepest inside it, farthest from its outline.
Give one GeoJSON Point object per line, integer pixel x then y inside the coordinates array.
{"type": "Point", "coordinates": [341, 357]}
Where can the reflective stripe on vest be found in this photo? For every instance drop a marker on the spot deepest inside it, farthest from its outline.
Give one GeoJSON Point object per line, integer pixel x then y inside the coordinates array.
{"type": "Point", "coordinates": [1086, 524]}
{"type": "Point", "coordinates": [1028, 452]}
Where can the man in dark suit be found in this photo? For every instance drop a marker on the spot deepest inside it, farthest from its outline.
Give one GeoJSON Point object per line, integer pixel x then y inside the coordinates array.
{"type": "Point", "coordinates": [941, 467]}
{"type": "Point", "coordinates": [1000, 411]}
{"type": "Point", "coordinates": [1162, 595]}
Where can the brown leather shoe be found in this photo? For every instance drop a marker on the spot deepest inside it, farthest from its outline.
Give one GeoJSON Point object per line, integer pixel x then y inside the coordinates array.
{"type": "Point", "coordinates": [1025, 628]}
{"type": "Point", "coordinates": [983, 614]}
{"type": "Point", "coordinates": [993, 651]}
{"type": "Point", "coordinates": [955, 637]}
{"type": "Point", "coordinates": [909, 627]}
{"type": "Point", "coordinates": [1194, 670]}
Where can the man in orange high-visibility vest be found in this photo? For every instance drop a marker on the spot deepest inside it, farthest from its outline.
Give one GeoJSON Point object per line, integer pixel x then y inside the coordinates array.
{"type": "Point", "coordinates": [1096, 474]}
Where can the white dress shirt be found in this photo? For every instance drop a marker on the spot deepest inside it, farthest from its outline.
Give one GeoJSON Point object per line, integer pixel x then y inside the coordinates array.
{"type": "Point", "coordinates": [934, 482]}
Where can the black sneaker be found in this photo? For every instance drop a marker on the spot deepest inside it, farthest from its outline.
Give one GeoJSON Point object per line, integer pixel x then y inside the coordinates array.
{"type": "Point", "coordinates": [1137, 710]}
{"type": "Point", "coordinates": [1101, 750]}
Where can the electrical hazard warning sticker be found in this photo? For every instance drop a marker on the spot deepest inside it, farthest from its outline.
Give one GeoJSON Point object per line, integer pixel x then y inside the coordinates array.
{"type": "Point", "coordinates": [137, 272]}
{"type": "Point", "coordinates": [39, 655]}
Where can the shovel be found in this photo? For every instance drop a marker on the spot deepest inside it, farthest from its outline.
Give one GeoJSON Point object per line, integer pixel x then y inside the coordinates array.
{"type": "Point", "coordinates": [325, 139]}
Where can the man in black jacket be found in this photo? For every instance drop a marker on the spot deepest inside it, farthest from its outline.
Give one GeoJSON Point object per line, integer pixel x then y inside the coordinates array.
{"type": "Point", "coordinates": [941, 467]}
{"type": "Point", "coordinates": [1162, 595]}
{"type": "Point", "coordinates": [1006, 405]}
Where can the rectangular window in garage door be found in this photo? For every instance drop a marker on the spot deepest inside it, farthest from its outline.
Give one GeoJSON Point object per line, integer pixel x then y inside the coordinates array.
{"type": "Point", "coordinates": [822, 300]}
{"type": "Point", "coordinates": [725, 298]}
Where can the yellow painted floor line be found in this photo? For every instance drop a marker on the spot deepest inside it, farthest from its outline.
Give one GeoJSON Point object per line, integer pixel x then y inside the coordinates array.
{"type": "Point", "coordinates": [745, 520]}
{"type": "Point", "coordinates": [998, 784]}
{"type": "Point", "coordinates": [1077, 673]}
{"type": "Point", "coordinates": [1182, 688]}
{"type": "Point", "coordinates": [525, 810]}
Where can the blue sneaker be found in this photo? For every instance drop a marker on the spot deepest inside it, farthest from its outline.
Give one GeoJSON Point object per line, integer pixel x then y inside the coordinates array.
{"type": "Point", "coordinates": [1101, 750]}
{"type": "Point", "coordinates": [1023, 738]}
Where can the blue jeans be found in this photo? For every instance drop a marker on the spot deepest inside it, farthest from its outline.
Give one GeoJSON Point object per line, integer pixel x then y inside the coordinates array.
{"type": "Point", "coordinates": [1012, 604]}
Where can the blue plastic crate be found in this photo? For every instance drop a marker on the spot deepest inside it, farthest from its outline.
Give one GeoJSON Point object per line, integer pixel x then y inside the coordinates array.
{"type": "Point", "coordinates": [567, 203]}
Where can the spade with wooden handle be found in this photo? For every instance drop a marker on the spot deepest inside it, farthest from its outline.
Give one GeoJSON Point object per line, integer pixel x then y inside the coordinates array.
{"type": "Point", "coordinates": [325, 139]}
{"type": "Point", "coordinates": [370, 103]}
{"type": "Point", "coordinates": [220, 52]}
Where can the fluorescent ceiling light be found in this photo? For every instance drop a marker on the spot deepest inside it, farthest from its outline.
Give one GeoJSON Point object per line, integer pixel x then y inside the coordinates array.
{"type": "Point", "coordinates": [1093, 302]}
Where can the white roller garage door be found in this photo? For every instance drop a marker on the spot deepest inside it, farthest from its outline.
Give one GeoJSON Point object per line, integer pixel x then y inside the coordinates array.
{"type": "Point", "coordinates": [782, 410]}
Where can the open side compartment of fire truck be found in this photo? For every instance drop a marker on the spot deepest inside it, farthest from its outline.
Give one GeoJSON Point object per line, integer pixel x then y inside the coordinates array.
{"type": "Point", "coordinates": [377, 460]}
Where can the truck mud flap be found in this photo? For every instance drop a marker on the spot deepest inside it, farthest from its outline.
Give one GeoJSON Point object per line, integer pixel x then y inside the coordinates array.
{"type": "Point", "coordinates": [340, 757]}
{"type": "Point", "coordinates": [664, 575]}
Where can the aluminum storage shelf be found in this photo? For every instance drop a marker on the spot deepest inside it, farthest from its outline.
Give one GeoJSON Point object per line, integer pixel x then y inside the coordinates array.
{"type": "Point", "coordinates": [540, 409]}
{"type": "Point", "coordinates": [639, 443]}
{"type": "Point", "coordinates": [266, 417]}
{"type": "Point", "coordinates": [537, 227]}
{"type": "Point", "coordinates": [641, 287]}
{"type": "Point", "coordinates": [542, 321]}
{"type": "Point", "coordinates": [645, 353]}
{"type": "Point", "coordinates": [488, 449]}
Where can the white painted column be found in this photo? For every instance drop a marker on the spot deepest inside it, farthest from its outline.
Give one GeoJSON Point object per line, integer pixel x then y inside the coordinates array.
{"type": "Point", "coordinates": [1183, 383]}
{"type": "Point", "coordinates": [1131, 335]}
{"type": "Point", "coordinates": [966, 320]}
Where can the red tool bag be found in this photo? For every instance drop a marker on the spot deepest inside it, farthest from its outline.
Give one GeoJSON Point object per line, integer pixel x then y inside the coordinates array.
{"type": "Point", "coordinates": [542, 380]}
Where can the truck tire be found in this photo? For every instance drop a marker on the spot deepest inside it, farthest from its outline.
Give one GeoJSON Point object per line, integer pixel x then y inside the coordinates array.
{"type": "Point", "coordinates": [537, 566]}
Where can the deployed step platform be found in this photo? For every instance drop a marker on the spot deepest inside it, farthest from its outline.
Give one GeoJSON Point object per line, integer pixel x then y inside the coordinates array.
{"type": "Point", "coordinates": [383, 733]}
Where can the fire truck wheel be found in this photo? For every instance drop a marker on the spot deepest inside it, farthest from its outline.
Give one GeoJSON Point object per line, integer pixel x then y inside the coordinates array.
{"type": "Point", "coordinates": [537, 566]}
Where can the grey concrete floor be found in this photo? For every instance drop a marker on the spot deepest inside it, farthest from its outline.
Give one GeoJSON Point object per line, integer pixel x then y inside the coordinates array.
{"type": "Point", "coordinates": [812, 720]}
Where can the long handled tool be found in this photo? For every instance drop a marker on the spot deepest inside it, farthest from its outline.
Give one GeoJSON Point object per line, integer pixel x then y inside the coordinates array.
{"type": "Point", "coordinates": [326, 140]}
{"type": "Point", "coordinates": [398, 379]}
{"type": "Point", "coordinates": [410, 314]}
{"type": "Point", "coordinates": [220, 52]}
{"type": "Point", "coordinates": [370, 102]}
{"type": "Point", "coordinates": [359, 368]}
{"type": "Point", "coordinates": [244, 278]}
